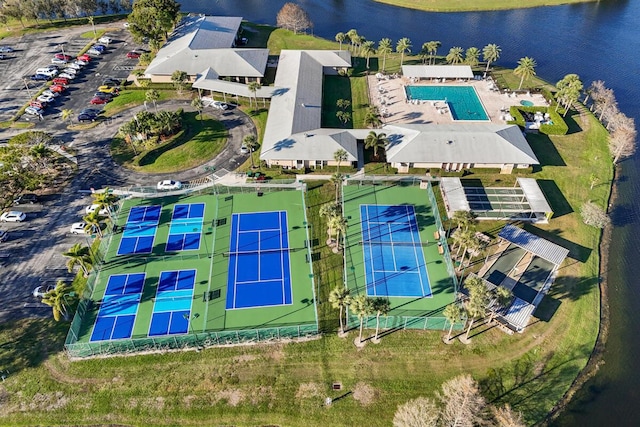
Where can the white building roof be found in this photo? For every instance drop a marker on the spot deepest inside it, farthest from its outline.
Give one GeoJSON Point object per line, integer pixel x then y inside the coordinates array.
{"type": "Point", "coordinates": [437, 71]}
{"type": "Point", "coordinates": [534, 195]}
{"type": "Point", "coordinates": [478, 143]}
{"type": "Point", "coordinates": [208, 80]}
{"type": "Point", "coordinates": [534, 244]}
{"type": "Point", "coordinates": [454, 194]}
{"type": "Point", "coordinates": [203, 42]}
{"type": "Point", "coordinates": [296, 109]}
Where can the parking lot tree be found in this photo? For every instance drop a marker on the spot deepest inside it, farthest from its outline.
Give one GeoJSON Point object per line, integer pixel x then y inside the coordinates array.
{"type": "Point", "coordinates": [66, 114]}
{"type": "Point", "coordinates": [152, 95]}
{"type": "Point", "coordinates": [58, 299]}
{"type": "Point", "coordinates": [179, 78]}
{"type": "Point", "coordinates": [105, 200]}
{"type": "Point", "coordinates": [94, 222]}
{"type": "Point", "coordinates": [251, 142]}
{"type": "Point", "coordinates": [153, 19]}
{"type": "Point", "coordinates": [79, 256]}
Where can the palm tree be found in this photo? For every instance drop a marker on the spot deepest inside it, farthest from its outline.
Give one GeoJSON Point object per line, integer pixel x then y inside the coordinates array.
{"type": "Point", "coordinates": [455, 55]}
{"type": "Point", "coordinates": [253, 88]}
{"type": "Point", "coordinates": [376, 140]}
{"type": "Point", "coordinates": [56, 298]}
{"type": "Point", "coordinates": [336, 180]}
{"type": "Point", "coordinates": [503, 297]}
{"type": "Point", "coordinates": [340, 38]}
{"type": "Point", "coordinates": [453, 313]}
{"type": "Point", "coordinates": [352, 34]}
{"type": "Point", "coordinates": [403, 45]}
{"type": "Point", "coordinates": [152, 95]}
{"type": "Point", "coordinates": [339, 298]}
{"type": "Point", "coordinates": [340, 155]}
{"type": "Point", "coordinates": [478, 299]}
{"type": "Point", "coordinates": [66, 114]}
{"type": "Point", "coordinates": [372, 118]}
{"type": "Point", "coordinates": [105, 200]}
{"type": "Point", "coordinates": [338, 224]}
{"type": "Point", "coordinates": [432, 48]}
{"type": "Point", "coordinates": [461, 239]}
{"type": "Point", "coordinates": [251, 142]}
{"type": "Point", "coordinates": [385, 47]}
{"type": "Point", "coordinates": [91, 21]}
{"type": "Point", "coordinates": [94, 222]}
{"type": "Point", "coordinates": [79, 255]}
{"type": "Point", "coordinates": [526, 68]}
{"type": "Point", "coordinates": [363, 307]}
{"type": "Point", "coordinates": [472, 56]}
{"type": "Point", "coordinates": [343, 116]}
{"type": "Point", "coordinates": [179, 78]}
{"type": "Point", "coordinates": [490, 53]}
{"type": "Point", "coordinates": [569, 90]}
{"type": "Point", "coordinates": [329, 210]}
{"type": "Point", "coordinates": [471, 245]}
{"type": "Point", "coordinates": [382, 308]}
{"type": "Point", "coordinates": [357, 42]}
{"type": "Point", "coordinates": [199, 106]}
{"type": "Point", "coordinates": [464, 219]}
{"type": "Point", "coordinates": [368, 49]}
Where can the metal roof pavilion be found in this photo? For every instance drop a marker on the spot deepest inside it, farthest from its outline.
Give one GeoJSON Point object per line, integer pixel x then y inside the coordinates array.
{"type": "Point", "coordinates": [437, 71]}
{"type": "Point", "coordinates": [534, 244]}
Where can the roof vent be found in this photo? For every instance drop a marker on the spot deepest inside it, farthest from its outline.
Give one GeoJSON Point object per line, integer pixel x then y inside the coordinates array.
{"type": "Point", "coordinates": [450, 142]}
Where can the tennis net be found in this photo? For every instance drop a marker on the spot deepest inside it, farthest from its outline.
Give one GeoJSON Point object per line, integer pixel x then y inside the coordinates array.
{"type": "Point", "coordinates": [259, 252]}
{"type": "Point", "coordinates": [383, 243]}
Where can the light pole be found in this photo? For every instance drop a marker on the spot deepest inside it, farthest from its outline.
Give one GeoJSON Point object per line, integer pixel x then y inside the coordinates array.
{"type": "Point", "coordinates": [27, 86]}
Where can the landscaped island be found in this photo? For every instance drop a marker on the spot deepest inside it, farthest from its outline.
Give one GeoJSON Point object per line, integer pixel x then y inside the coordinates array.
{"type": "Point", "coordinates": [288, 383]}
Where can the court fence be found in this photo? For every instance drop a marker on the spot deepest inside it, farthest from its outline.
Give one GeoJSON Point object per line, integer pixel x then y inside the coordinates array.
{"type": "Point", "coordinates": [191, 341]}
{"type": "Point", "coordinates": [390, 323]}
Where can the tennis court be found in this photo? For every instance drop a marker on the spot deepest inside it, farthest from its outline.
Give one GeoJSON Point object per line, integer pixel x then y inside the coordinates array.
{"type": "Point", "coordinates": [172, 306]}
{"type": "Point", "coordinates": [119, 307]}
{"type": "Point", "coordinates": [186, 227]}
{"type": "Point", "coordinates": [259, 273]}
{"type": "Point", "coordinates": [140, 230]}
{"type": "Point", "coordinates": [393, 255]}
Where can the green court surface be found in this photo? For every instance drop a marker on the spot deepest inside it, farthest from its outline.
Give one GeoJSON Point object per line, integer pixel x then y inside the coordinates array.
{"type": "Point", "coordinates": [211, 261]}
{"type": "Point", "coordinates": [416, 309]}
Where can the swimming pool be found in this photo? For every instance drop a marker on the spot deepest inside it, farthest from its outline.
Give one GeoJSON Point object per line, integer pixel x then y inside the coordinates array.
{"type": "Point", "coordinates": [463, 101]}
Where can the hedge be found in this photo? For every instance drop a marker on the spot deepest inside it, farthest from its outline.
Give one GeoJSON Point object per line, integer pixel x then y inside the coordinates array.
{"type": "Point", "coordinates": [559, 126]}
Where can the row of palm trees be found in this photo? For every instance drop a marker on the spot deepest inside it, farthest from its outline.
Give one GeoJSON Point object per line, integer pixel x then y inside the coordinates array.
{"type": "Point", "coordinates": [79, 257]}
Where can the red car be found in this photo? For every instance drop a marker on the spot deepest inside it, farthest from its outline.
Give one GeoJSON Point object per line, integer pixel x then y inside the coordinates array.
{"type": "Point", "coordinates": [96, 100]}
{"type": "Point", "coordinates": [133, 55]}
{"type": "Point", "coordinates": [57, 88]}
{"type": "Point", "coordinates": [61, 81]}
{"type": "Point", "coordinates": [38, 104]}
{"type": "Point", "coordinates": [63, 57]}
{"type": "Point", "coordinates": [85, 58]}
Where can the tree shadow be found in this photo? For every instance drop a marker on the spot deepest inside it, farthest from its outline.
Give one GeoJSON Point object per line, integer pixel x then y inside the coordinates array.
{"type": "Point", "coordinates": [558, 202]}
{"type": "Point", "coordinates": [545, 151]}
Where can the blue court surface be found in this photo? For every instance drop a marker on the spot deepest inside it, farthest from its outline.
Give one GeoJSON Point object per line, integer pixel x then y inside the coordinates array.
{"type": "Point", "coordinates": [186, 227]}
{"type": "Point", "coordinates": [140, 230]}
{"type": "Point", "coordinates": [393, 254]}
{"type": "Point", "coordinates": [119, 307]}
{"type": "Point", "coordinates": [259, 266]}
{"type": "Point", "coordinates": [172, 307]}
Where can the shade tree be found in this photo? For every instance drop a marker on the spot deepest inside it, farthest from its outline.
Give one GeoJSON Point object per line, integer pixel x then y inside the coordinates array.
{"type": "Point", "coordinates": [526, 69]}
{"type": "Point", "coordinates": [490, 53]}
{"type": "Point", "coordinates": [294, 18]}
{"type": "Point", "coordinates": [403, 46]}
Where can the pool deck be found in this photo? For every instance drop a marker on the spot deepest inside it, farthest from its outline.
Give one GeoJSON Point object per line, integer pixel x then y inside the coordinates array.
{"type": "Point", "coordinates": [398, 110]}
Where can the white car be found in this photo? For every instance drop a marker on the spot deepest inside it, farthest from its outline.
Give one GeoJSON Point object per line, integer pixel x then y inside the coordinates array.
{"type": "Point", "coordinates": [244, 150]}
{"type": "Point", "coordinates": [34, 111]}
{"type": "Point", "coordinates": [70, 70]}
{"type": "Point", "coordinates": [105, 40]}
{"type": "Point", "coordinates": [80, 62]}
{"type": "Point", "coordinates": [13, 216]}
{"type": "Point", "coordinates": [50, 93]}
{"type": "Point", "coordinates": [94, 52]}
{"type": "Point", "coordinates": [168, 184]}
{"type": "Point", "coordinates": [219, 105]}
{"type": "Point", "coordinates": [59, 61]}
{"type": "Point", "coordinates": [48, 71]}
{"type": "Point", "coordinates": [74, 66]}
{"type": "Point", "coordinates": [40, 291]}
{"type": "Point", "coordinates": [90, 209]}
{"type": "Point", "coordinates": [67, 76]}
{"type": "Point", "coordinates": [45, 98]}
{"type": "Point", "coordinates": [78, 228]}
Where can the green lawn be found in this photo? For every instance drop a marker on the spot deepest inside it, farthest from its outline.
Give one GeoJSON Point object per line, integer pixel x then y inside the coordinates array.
{"type": "Point", "coordinates": [133, 98]}
{"type": "Point", "coordinates": [198, 142]}
{"type": "Point", "coordinates": [469, 5]}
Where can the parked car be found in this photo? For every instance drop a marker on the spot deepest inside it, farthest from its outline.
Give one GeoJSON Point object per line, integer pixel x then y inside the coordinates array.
{"type": "Point", "coordinates": [34, 111]}
{"type": "Point", "coordinates": [40, 291]}
{"type": "Point", "coordinates": [63, 56]}
{"type": "Point", "coordinates": [3, 56]}
{"type": "Point", "coordinates": [45, 98]}
{"type": "Point", "coordinates": [87, 117]}
{"type": "Point", "coordinates": [25, 198]}
{"type": "Point", "coordinates": [6, 49]}
{"type": "Point", "coordinates": [133, 54]}
{"type": "Point", "coordinates": [50, 93]}
{"type": "Point", "coordinates": [96, 100]}
{"type": "Point", "coordinates": [78, 228]}
{"type": "Point", "coordinates": [219, 105]}
{"type": "Point", "coordinates": [57, 88]}
{"type": "Point", "coordinates": [84, 57]}
{"type": "Point", "coordinates": [40, 77]}
{"type": "Point", "coordinates": [48, 71]}
{"type": "Point", "coordinates": [104, 95]}
{"type": "Point", "coordinates": [70, 70]}
{"type": "Point", "coordinates": [74, 66]}
{"type": "Point", "coordinates": [13, 216]}
{"type": "Point", "coordinates": [61, 81]}
{"type": "Point", "coordinates": [111, 82]}
{"type": "Point", "coordinates": [68, 76]}
{"type": "Point", "coordinates": [105, 40]}
{"type": "Point", "coordinates": [81, 62]}
{"type": "Point", "coordinates": [94, 52]}
{"type": "Point", "coordinates": [91, 111]}
{"type": "Point", "coordinates": [91, 209]}
{"type": "Point", "coordinates": [109, 89]}
{"type": "Point", "coordinates": [169, 184]}
{"type": "Point", "coordinates": [99, 47]}
{"type": "Point", "coordinates": [38, 104]}
{"type": "Point", "coordinates": [59, 61]}
{"type": "Point", "coordinates": [4, 235]}
{"type": "Point", "coordinates": [244, 149]}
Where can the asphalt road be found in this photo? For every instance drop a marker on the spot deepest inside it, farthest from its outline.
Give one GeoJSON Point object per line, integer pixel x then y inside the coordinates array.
{"type": "Point", "coordinates": [33, 254]}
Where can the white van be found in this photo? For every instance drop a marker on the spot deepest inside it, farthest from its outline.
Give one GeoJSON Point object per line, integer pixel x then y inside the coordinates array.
{"type": "Point", "coordinates": [47, 71]}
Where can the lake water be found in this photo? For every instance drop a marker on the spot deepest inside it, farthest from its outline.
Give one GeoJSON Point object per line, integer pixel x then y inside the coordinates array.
{"type": "Point", "coordinates": [598, 41]}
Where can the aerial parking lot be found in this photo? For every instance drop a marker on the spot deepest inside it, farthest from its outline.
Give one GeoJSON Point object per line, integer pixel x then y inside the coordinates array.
{"type": "Point", "coordinates": [33, 52]}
